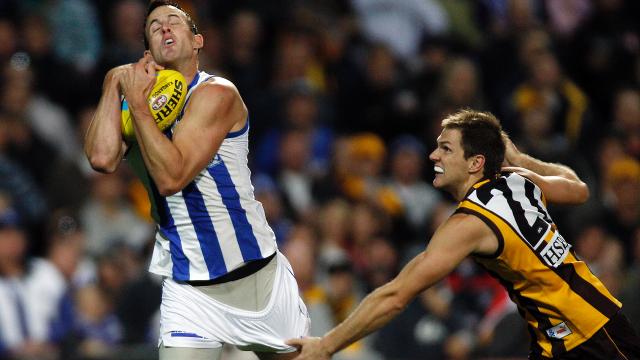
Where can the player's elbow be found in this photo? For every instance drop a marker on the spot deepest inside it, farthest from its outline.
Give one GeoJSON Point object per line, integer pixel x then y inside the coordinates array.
{"type": "Point", "coordinates": [397, 298]}
{"type": "Point", "coordinates": [581, 193]}
{"type": "Point", "coordinates": [168, 190]}
{"type": "Point", "coordinates": [103, 164]}
{"type": "Point", "coordinates": [168, 187]}
{"type": "Point", "coordinates": [397, 305]}
{"type": "Point", "coordinates": [575, 194]}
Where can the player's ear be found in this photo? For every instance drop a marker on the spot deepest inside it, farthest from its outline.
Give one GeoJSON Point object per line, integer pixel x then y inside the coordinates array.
{"type": "Point", "coordinates": [476, 163]}
{"type": "Point", "coordinates": [198, 42]}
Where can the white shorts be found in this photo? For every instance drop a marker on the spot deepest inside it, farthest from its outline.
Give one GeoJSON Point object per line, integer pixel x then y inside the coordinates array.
{"type": "Point", "coordinates": [190, 318]}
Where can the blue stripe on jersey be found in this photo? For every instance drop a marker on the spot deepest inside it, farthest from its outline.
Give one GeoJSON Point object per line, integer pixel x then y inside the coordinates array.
{"type": "Point", "coordinates": [206, 234]}
{"type": "Point", "coordinates": [233, 134]}
{"type": "Point", "coordinates": [185, 334]}
{"type": "Point", "coordinates": [231, 200]}
{"type": "Point", "coordinates": [167, 226]}
{"type": "Point", "coordinates": [193, 83]}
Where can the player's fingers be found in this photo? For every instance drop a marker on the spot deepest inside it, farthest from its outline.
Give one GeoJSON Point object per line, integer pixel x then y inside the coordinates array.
{"type": "Point", "coordinates": [295, 342]}
{"type": "Point", "coordinates": [151, 68]}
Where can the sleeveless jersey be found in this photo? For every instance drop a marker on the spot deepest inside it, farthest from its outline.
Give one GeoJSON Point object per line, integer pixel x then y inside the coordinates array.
{"type": "Point", "coordinates": [214, 225]}
{"type": "Point", "coordinates": [563, 303]}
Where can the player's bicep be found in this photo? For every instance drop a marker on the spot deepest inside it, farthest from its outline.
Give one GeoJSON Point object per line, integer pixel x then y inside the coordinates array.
{"type": "Point", "coordinates": [211, 113]}
{"type": "Point", "coordinates": [556, 189]}
{"type": "Point", "coordinates": [559, 190]}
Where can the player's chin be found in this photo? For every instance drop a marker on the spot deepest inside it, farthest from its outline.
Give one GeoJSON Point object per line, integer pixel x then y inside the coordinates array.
{"type": "Point", "coordinates": [437, 181]}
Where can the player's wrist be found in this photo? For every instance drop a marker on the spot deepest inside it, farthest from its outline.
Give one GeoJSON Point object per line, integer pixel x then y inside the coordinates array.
{"type": "Point", "coordinates": [326, 347]}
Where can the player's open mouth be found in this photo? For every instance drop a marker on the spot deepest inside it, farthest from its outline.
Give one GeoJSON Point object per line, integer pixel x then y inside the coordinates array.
{"type": "Point", "coordinates": [438, 170]}
{"type": "Point", "coordinates": [168, 42]}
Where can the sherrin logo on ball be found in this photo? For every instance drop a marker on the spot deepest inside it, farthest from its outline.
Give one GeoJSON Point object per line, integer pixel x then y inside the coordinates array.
{"type": "Point", "coordinates": [161, 100]}
{"type": "Point", "coordinates": [165, 102]}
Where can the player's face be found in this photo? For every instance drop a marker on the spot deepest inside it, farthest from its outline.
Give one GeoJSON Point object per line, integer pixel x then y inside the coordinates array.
{"type": "Point", "coordinates": [450, 166]}
{"type": "Point", "coordinates": [169, 35]}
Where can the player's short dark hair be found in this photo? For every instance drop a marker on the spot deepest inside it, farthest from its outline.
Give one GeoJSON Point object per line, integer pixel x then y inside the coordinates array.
{"type": "Point", "coordinates": [156, 4]}
{"type": "Point", "coordinates": [481, 135]}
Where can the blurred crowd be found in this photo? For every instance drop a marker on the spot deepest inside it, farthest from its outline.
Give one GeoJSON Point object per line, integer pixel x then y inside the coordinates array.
{"type": "Point", "coordinates": [345, 100]}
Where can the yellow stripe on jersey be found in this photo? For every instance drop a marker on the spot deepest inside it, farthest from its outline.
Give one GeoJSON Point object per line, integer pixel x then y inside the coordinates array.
{"type": "Point", "coordinates": [562, 301]}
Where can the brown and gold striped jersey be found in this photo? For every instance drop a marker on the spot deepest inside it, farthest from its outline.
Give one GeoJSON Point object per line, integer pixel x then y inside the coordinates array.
{"type": "Point", "coordinates": [563, 303]}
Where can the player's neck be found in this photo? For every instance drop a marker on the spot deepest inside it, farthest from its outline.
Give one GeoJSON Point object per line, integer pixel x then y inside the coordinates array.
{"type": "Point", "coordinates": [461, 191]}
{"type": "Point", "coordinates": [188, 69]}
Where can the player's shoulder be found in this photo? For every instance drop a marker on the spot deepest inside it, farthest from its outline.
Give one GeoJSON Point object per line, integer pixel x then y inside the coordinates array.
{"type": "Point", "coordinates": [463, 224]}
{"type": "Point", "coordinates": [216, 89]}
{"type": "Point", "coordinates": [217, 84]}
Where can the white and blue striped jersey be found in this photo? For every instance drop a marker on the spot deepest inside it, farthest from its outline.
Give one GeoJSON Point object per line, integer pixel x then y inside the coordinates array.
{"type": "Point", "coordinates": [214, 225]}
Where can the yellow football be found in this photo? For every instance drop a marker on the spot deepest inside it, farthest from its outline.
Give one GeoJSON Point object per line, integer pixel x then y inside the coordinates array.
{"type": "Point", "coordinates": [165, 102]}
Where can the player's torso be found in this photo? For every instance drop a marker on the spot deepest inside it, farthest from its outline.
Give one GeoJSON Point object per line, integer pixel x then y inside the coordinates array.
{"type": "Point", "coordinates": [214, 224]}
{"type": "Point", "coordinates": [562, 301]}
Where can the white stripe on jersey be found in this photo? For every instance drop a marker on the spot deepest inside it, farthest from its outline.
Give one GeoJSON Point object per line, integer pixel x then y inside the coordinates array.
{"type": "Point", "coordinates": [190, 244]}
{"type": "Point", "coordinates": [498, 205]}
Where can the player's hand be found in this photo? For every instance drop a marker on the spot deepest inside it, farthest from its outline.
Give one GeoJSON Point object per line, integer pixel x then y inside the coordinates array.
{"type": "Point", "coordinates": [137, 80]}
{"type": "Point", "coordinates": [311, 348]}
{"type": "Point", "coordinates": [511, 151]}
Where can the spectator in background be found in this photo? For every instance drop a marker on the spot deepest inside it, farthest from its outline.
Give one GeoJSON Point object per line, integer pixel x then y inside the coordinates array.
{"type": "Point", "coordinates": [109, 218]}
{"type": "Point", "coordinates": [334, 225]}
{"type": "Point", "coordinates": [76, 38]}
{"type": "Point", "coordinates": [547, 87]}
{"type": "Point", "coordinates": [400, 25]}
{"type": "Point", "coordinates": [362, 180]}
{"type": "Point", "coordinates": [603, 253]}
{"type": "Point", "coordinates": [68, 183]}
{"type": "Point", "coordinates": [300, 114]}
{"type": "Point", "coordinates": [25, 319]}
{"type": "Point", "coordinates": [381, 259]}
{"type": "Point", "coordinates": [47, 120]}
{"type": "Point", "coordinates": [54, 79]}
{"type": "Point", "coordinates": [368, 224]}
{"type": "Point", "coordinates": [418, 198]}
{"type": "Point", "coordinates": [459, 85]}
{"type": "Point", "coordinates": [17, 184]}
{"type": "Point", "coordinates": [268, 194]}
{"type": "Point", "coordinates": [300, 249]}
{"type": "Point", "coordinates": [244, 61]}
{"type": "Point", "coordinates": [381, 101]}
{"type": "Point", "coordinates": [629, 292]}
{"type": "Point", "coordinates": [125, 44]}
{"type": "Point", "coordinates": [213, 59]}
{"type": "Point", "coordinates": [626, 119]}
{"type": "Point", "coordinates": [343, 295]}
{"type": "Point", "coordinates": [422, 328]}
{"type": "Point", "coordinates": [622, 202]}
{"type": "Point", "coordinates": [8, 40]}
{"type": "Point", "coordinates": [506, 23]}
{"type": "Point", "coordinates": [96, 328]}
{"type": "Point", "coordinates": [295, 177]}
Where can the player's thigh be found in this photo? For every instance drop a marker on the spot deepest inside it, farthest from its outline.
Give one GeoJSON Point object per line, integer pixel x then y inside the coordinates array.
{"type": "Point", "coordinates": [276, 356]}
{"type": "Point", "coordinates": [185, 353]}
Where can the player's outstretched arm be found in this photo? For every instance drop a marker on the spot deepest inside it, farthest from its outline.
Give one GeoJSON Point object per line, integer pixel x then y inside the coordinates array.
{"type": "Point", "coordinates": [447, 248]}
{"type": "Point", "coordinates": [214, 109]}
{"type": "Point", "coordinates": [103, 143]}
{"type": "Point", "coordinates": [559, 183]}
